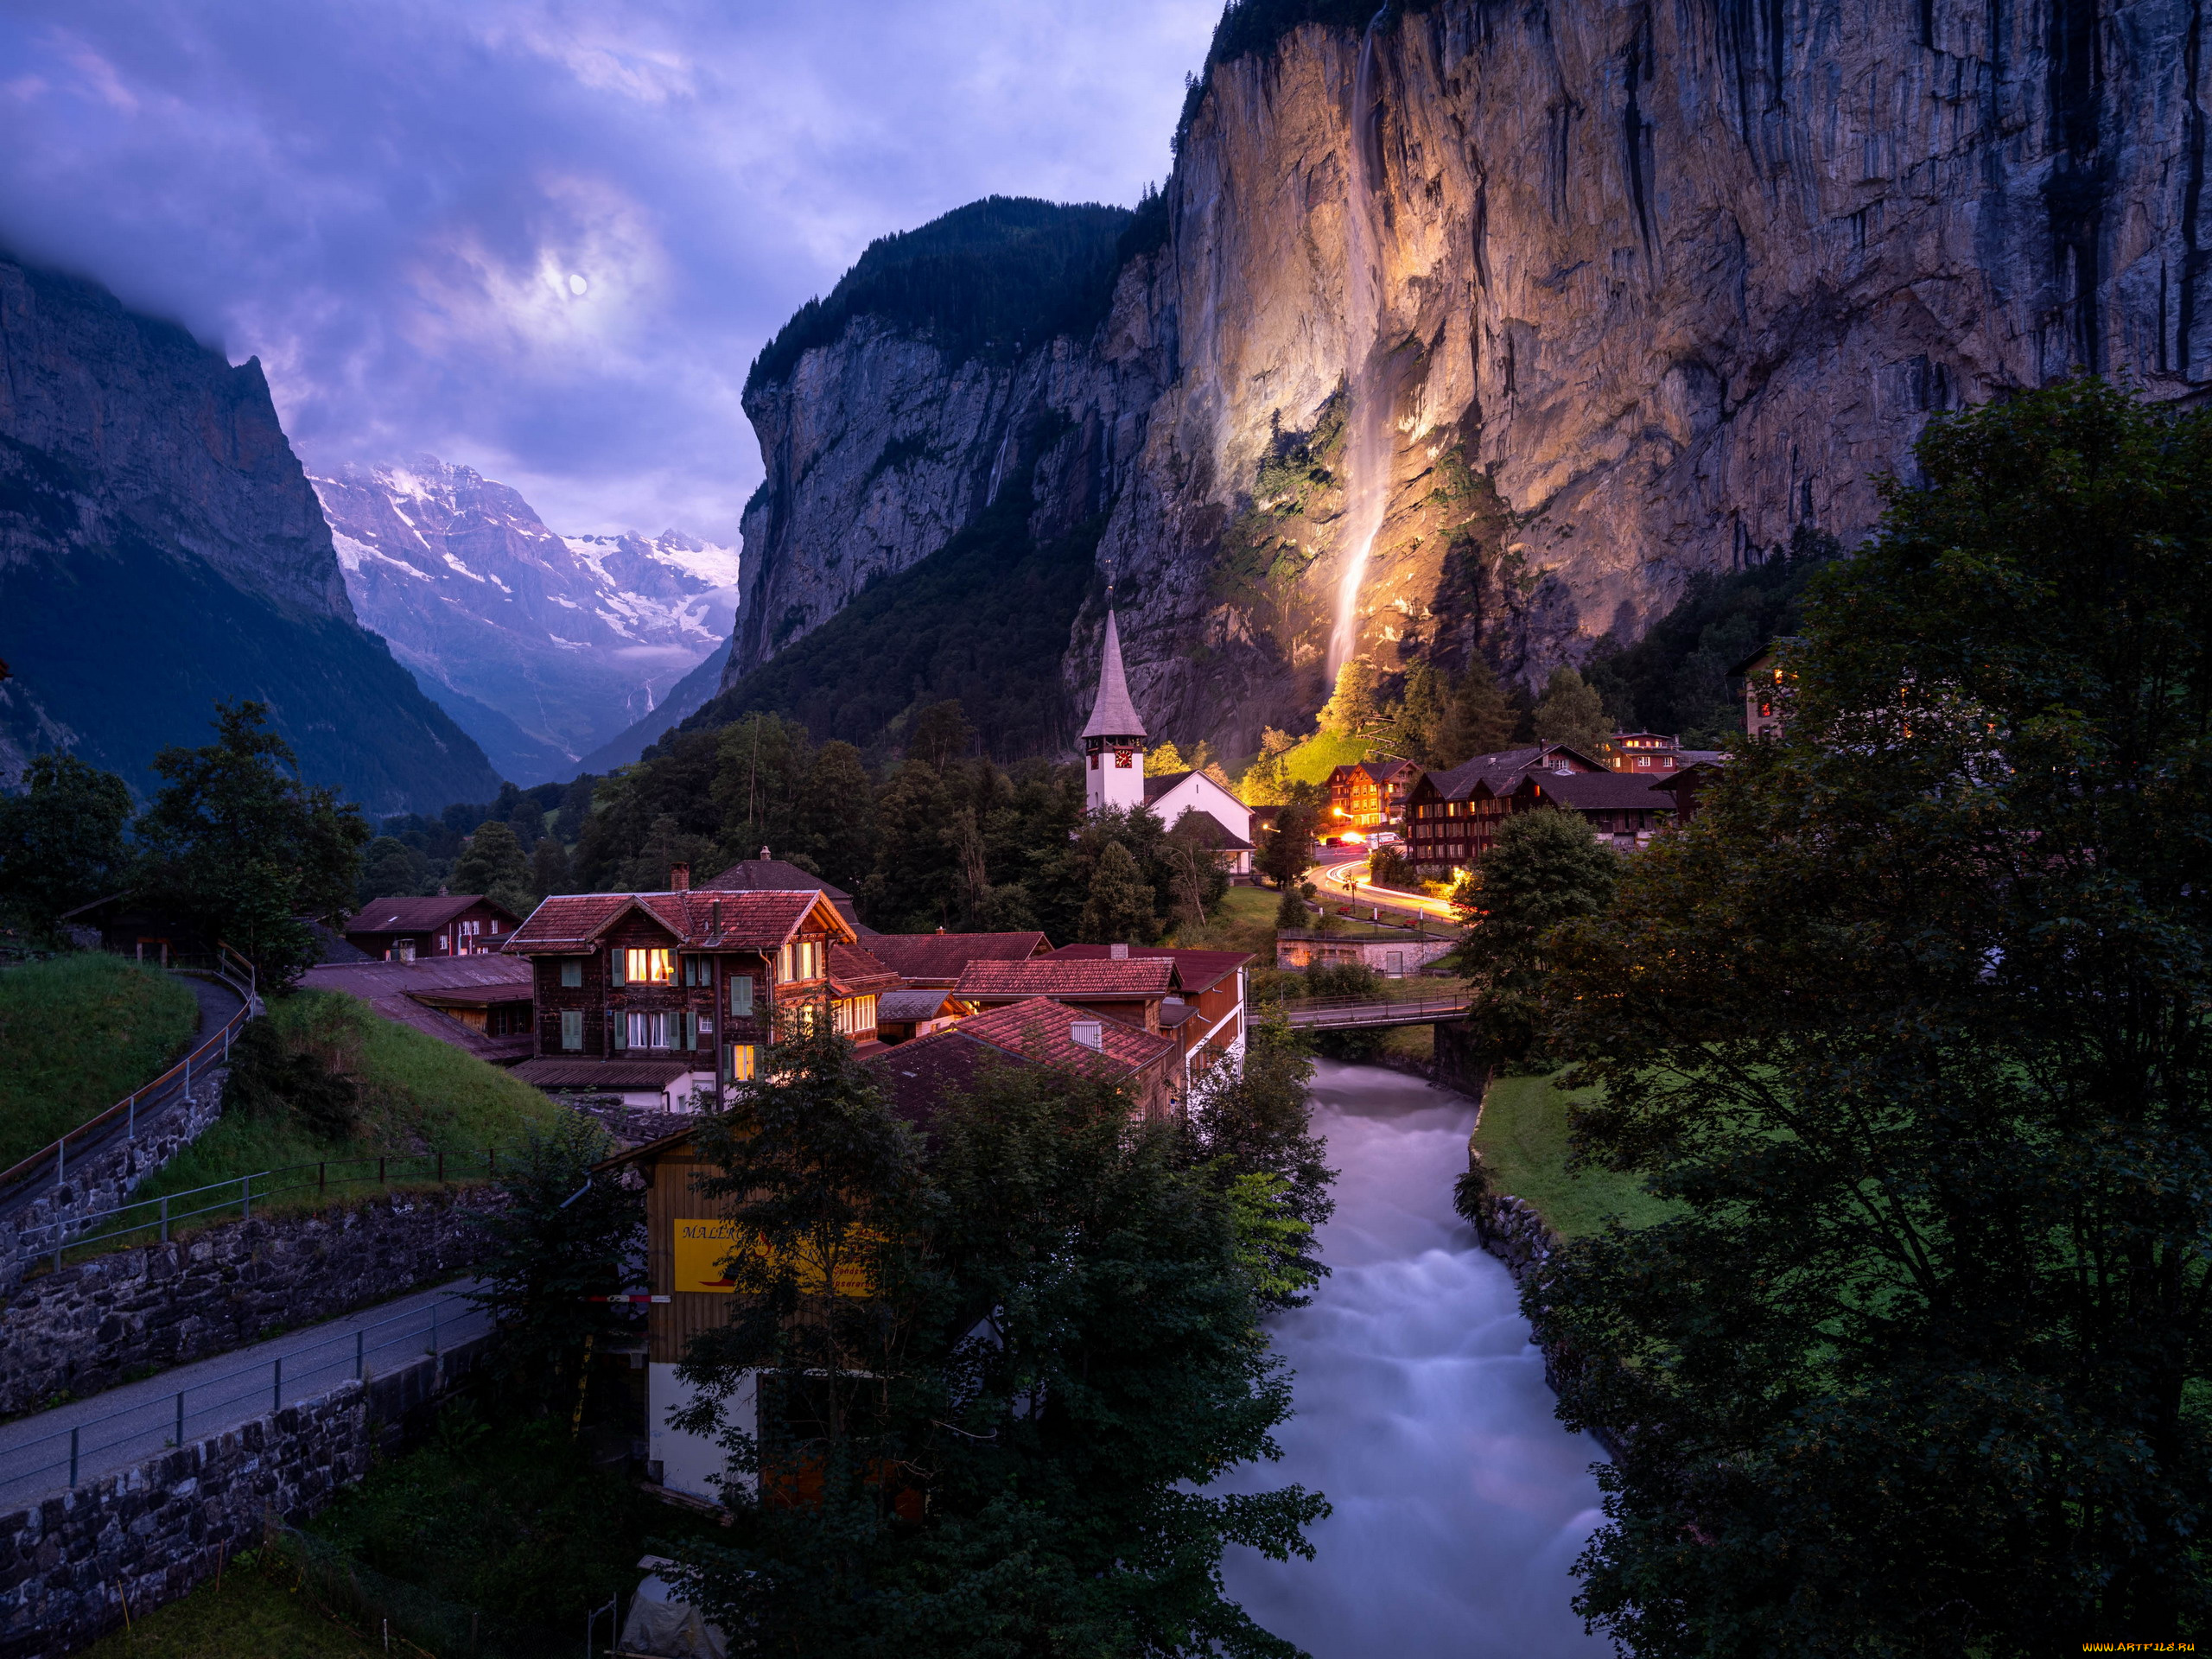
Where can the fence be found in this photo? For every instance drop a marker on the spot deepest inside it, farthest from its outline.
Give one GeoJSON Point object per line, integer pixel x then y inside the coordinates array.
{"type": "Point", "coordinates": [172, 1085]}
{"type": "Point", "coordinates": [1350, 1013]}
{"type": "Point", "coordinates": [239, 1195]}
{"type": "Point", "coordinates": [378, 1605]}
{"type": "Point", "coordinates": [98, 1446]}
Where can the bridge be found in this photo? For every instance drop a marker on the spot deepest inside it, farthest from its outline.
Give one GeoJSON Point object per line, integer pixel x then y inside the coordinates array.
{"type": "Point", "coordinates": [1375, 1013]}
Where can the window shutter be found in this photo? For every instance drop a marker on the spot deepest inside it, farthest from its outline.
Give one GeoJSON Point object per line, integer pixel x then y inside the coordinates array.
{"type": "Point", "coordinates": [741, 995]}
{"type": "Point", "coordinates": [572, 1029]}
{"type": "Point", "coordinates": [614, 966]}
{"type": "Point", "coordinates": [572, 973]}
{"type": "Point", "coordinates": [620, 1030]}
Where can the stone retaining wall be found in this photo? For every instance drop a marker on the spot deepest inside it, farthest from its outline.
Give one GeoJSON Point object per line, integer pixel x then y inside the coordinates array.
{"type": "Point", "coordinates": [151, 1534]}
{"type": "Point", "coordinates": [105, 1180]}
{"type": "Point", "coordinates": [127, 1313]}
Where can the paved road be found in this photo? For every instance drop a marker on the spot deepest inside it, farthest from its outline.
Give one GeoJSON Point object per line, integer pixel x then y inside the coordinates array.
{"type": "Point", "coordinates": [134, 1421]}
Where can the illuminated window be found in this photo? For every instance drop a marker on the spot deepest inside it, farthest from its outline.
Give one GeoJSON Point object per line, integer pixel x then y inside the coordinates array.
{"type": "Point", "coordinates": [744, 1059]}
{"type": "Point", "coordinates": [644, 967]}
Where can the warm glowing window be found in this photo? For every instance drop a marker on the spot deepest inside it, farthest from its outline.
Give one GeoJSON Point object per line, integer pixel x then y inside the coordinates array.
{"type": "Point", "coordinates": [743, 1062]}
{"type": "Point", "coordinates": [644, 967]}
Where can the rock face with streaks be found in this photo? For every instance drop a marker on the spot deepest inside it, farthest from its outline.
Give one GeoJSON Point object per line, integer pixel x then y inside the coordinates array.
{"type": "Point", "coordinates": [1659, 288]}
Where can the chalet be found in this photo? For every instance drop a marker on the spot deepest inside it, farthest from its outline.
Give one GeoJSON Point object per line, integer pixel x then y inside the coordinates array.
{"type": "Point", "coordinates": [1206, 1015]}
{"type": "Point", "coordinates": [1369, 794]}
{"type": "Point", "coordinates": [1133, 991]}
{"type": "Point", "coordinates": [1451, 817]}
{"type": "Point", "coordinates": [935, 960]}
{"type": "Point", "coordinates": [479, 1003]}
{"type": "Point", "coordinates": [1649, 752]}
{"type": "Point", "coordinates": [451, 924]}
{"type": "Point", "coordinates": [766, 874]}
{"type": "Point", "coordinates": [1225, 822]}
{"type": "Point", "coordinates": [1626, 812]}
{"type": "Point", "coordinates": [1683, 787]}
{"type": "Point", "coordinates": [858, 981]}
{"type": "Point", "coordinates": [688, 981]}
{"type": "Point", "coordinates": [1763, 679]}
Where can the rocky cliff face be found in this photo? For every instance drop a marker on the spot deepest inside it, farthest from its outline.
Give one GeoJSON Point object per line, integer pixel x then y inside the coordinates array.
{"type": "Point", "coordinates": [542, 646]}
{"type": "Point", "coordinates": [1656, 288]}
{"type": "Point", "coordinates": [161, 548]}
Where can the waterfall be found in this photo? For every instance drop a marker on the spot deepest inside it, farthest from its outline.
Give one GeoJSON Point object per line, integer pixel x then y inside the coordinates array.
{"type": "Point", "coordinates": [1366, 440]}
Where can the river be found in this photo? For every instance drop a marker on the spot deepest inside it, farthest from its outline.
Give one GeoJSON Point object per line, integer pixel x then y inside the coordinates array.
{"type": "Point", "coordinates": [1460, 1501]}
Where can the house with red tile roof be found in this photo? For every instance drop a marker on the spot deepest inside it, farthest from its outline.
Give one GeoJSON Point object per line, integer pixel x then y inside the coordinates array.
{"type": "Point", "coordinates": [1132, 991]}
{"type": "Point", "coordinates": [688, 982]}
{"type": "Point", "coordinates": [1205, 1013]}
{"type": "Point", "coordinates": [937, 959]}
{"type": "Point", "coordinates": [408, 930]}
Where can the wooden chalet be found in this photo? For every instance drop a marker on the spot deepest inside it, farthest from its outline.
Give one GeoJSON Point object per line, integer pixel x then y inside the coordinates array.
{"type": "Point", "coordinates": [1764, 680]}
{"type": "Point", "coordinates": [690, 979]}
{"type": "Point", "coordinates": [1369, 794]}
{"type": "Point", "coordinates": [451, 924]}
{"type": "Point", "coordinates": [938, 959]}
{"type": "Point", "coordinates": [1451, 817]}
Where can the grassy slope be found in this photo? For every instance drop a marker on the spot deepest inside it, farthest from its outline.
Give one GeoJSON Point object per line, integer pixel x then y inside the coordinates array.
{"type": "Point", "coordinates": [77, 1033]}
{"type": "Point", "coordinates": [416, 1092]}
{"type": "Point", "coordinates": [1311, 761]}
{"type": "Point", "coordinates": [1523, 1142]}
{"type": "Point", "coordinates": [1246, 921]}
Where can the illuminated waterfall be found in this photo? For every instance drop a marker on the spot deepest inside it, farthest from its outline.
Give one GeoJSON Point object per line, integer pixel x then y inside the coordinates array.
{"type": "Point", "coordinates": [1367, 441]}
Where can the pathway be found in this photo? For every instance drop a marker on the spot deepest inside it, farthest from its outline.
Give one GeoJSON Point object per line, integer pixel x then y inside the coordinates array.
{"type": "Point", "coordinates": [128, 1423]}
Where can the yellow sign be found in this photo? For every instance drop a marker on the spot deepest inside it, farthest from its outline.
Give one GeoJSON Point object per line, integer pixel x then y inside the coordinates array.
{"type": "Point", "coordinates": [704, 1245]}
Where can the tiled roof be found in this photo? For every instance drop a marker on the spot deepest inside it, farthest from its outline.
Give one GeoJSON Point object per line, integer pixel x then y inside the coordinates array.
{"type": "Point", "coordinates": [419, 915]}
{"type": "Point", "coordinates": [775, 875]}
{"type": "Point", "coordinates": [610, 1075]}
{"type": "Point", "coordinates": [1503, 772]}
{"type": "Point", "coordinates": [1064, 977]}
{"type": "Point", "coordinates": [923, 1004]}
{"type": "Point", "coordinates": [699, 918]}
{"type": "Point", "coordinates": [391, 988]}
{"type": "Point", "coordinates": [921, 1073]}
{"type": "Point", "coordinates": [1590, 792]}
{"type": "Point", "coordinates": [922, 958]}
{"type": "Point", "coordinates": [1043, 1030]}
{"type": "Point", "coordinates": [855, 972]}
{"type": "Point", "coordinates": [1113, 715]}
{"type": "Point", "coordinates": [1195, 970]}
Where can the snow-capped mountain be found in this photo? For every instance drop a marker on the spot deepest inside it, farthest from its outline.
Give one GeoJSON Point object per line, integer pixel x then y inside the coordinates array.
{"type": "Point", "coordinates": [542, 646]}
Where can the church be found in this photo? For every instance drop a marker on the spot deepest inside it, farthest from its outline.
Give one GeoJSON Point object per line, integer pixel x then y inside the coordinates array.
{"type": "Point", "coordinates": [1114, 775]}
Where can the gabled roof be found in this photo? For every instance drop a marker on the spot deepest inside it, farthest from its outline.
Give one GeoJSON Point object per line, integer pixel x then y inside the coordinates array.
{"type": "Point", "coordinates": [1501, 771]}
{"type": "Point", "coordinates": [776, 875]}
{"type": "Point", "coordinates": [925, 1002]}
{"type": "Point", "coordinates": [1591, 791]}
{"type": "Point", "coordinates": [857, 972]}
{"type": "Point", "coordinates": [1195, 970]}
{"type": "Point", "coordinates": [1059, 976]}
{"type": "Point", "coordinates": [1209, 831]}
{"type": "Point", "coordinates": [1157, 784]}
{"type": "Point", "coordinates": [1043, 1031]}
{"type": "Point", "coordinates": [402, 915]}
{"type": "Point", "coordinates": [699, 919]}
{"type": "Point", "coordinates": [1738, 670]}
{"type": "Point", "coordinates": [398, 990]}
{"type": "Point", "coordinates": [921, 958]}
{"type": "Point", "coordinates": [1113, 715]}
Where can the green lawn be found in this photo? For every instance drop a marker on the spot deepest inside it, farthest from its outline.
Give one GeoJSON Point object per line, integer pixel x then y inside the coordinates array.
{"type": "Point", "coordinates": [418, 1093]}
{"type": "Point", "coordinates": [258, 1613]}
{"type": "Point", "coordinates": [1246, 921]}
{"type": "Point", "coordinates": [1311, 761]}
{"type": "Point", "coordinates": [79, 1032]}
{"type": "Point", "coordinates": [1523, 1142]}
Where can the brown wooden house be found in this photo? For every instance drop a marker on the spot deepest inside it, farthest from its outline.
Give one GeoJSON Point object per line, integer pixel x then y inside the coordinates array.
{"type": "Point", "coordinates": [691, 980]}
{"type": "Point", "coordinates": [1369, 794]}
{"type": "Point", "coordinates": [1206, 1015]}
{"type": "Point", "coordinates": [1451, 817]}
{"type": "Point", "coordinates": [409, 930]}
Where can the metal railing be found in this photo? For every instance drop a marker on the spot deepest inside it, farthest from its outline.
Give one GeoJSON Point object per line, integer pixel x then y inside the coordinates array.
{"type": "Point", "coordinates": [33, 1465]}
{"type": "Point", "coordinates": [1339, 1013]}
{"type": "Point", "coordinates": [171, 1086]}
{"type": "Point", "coordinates": [238, 1194]}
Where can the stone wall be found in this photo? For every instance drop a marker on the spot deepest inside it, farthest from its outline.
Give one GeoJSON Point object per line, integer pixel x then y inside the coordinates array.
{"type": "Point", "coordinates": [103, 1181]}
{"type": "Point", "coordinates": [89, 1326]}
{"type": "Point", "coordinates": [151, 1534]}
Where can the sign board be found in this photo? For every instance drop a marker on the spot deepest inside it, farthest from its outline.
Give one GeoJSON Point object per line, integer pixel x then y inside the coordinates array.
{"type": "Point", "coordinates": [705, 1244]}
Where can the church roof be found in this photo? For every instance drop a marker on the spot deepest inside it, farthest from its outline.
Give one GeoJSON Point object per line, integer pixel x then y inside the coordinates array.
{"type": "Point", "coordinates": [1113, 715]}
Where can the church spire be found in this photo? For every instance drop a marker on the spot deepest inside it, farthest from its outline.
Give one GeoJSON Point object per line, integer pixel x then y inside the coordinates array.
{"type": "Point", "coordinates": [1113, 715]}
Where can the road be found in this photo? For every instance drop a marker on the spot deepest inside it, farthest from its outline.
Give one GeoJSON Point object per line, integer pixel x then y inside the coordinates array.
{"type": "Point", "coordinates": [1345, 870]}
{"type": "Point", "coordinates": [128, 1424]}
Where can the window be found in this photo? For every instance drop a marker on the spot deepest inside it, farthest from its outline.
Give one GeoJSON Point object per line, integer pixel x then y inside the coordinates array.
{"type": "Point", "coordinates": [856, 1016]}
{"type": "Point", "coordinates": [741, 995]}
{"type": "Point", "coordinates": [1644, 761]}
{"type": "Point", "coordinates": [572, 1031]}
{"type": "Point", "coordinates": [572, 973]}
{"type": "Point", "coordinates": [1094, 760]}
{"type": "Point", "coordinates": [648, 967]}
{"type": "Point", "coordinates": [651, 1030]}
{"type": "Point", "coordinates": [742, 1062]}
{"type": "Point", "coordinates": [698, 970]}
{"type": "Point", "coordinates": [801, 959]}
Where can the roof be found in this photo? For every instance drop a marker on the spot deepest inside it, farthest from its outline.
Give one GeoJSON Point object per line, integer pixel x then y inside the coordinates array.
{"type": "Point", "coordinates": [1501, 771]}
{"type": "Point", "coordinates": [609, 1075]}
{"type": "Point", "coordinates": [1064, 977]}
{"type": "Point", "coordinates": [925, 1003]}
{"type": "Point", "coordinates": [766, 874]}
{"type": "Point", "coordinates": [1195, 970]}
{"type": "Point", "coordinates": [1157, 784]}
{"type": "Point", "coordinates": [925, 958]}
{"type": "Point", "coordinates": [1209, 831]}
{"type": "Point", "coordinates": [395, 990]}
{"type": "Point", "coordinates": [1737, 670]}
{"type": "Point", "coordinates": [1591, 791]}
{"type": "Point", "coordinates": [699, 918]}
{"type": "Point", "coordinates": [1697, 775]}
{"type": "Point", "coordinates": [1042, 1030]}
{"type": "Point", "coordinates": [855, 972]}
{"type": "Point", "coordinates": [401, 915]}
{"type": "Point", "coordinates": [1113, 715]}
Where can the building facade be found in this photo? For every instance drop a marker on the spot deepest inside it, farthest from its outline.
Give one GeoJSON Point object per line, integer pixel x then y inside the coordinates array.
{"type": "Point", "coordinates": [409, 930]}
{"type": "Point", "coordinates": [1370, 794]}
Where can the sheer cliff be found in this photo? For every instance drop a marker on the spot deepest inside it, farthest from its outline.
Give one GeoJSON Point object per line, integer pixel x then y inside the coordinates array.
{"type": "Point", "coordinates": [161, 548]}
{"type": "Point", "coordinates": [1575, 299]}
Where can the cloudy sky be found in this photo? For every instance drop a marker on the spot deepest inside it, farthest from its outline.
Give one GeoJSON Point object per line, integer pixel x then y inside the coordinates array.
{"type": "Point", "coordinates": [546, 239]}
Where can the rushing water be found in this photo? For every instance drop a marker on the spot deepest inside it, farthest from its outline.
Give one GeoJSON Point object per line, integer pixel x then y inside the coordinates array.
{"type": "Point", "coordinates": [1367, 444]}
{"type": "Point", "coordinates": [1460, 1503]}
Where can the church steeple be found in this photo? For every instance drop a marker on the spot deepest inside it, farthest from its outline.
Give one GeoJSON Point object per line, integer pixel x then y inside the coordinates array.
{"type": "Point", "coordinates": [1113, 739]}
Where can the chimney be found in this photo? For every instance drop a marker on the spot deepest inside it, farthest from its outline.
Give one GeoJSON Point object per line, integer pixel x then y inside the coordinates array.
{"type": "Point", "coordinates": [940, 928]}
{"type": "Point", "coordinates": [679, 878]}
{"type": "Point", "coordinates": [764, 855]}
{"type": "Point", "coordinates": [1118, 952]}
{"type": "Point", "coordinates": [1087, 1033]}
{"type": "Point", "coordinates": [713, 917]}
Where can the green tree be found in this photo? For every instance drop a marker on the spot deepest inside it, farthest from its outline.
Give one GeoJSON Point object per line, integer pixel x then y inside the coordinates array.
{"type": "Point", "coordinates": [1910, 1023]}
{"type": "Point", "coordinates": [271, 1082]}
{"type": "Point", "coordinates": [237, 843]}
{"type": "Point", "coordinates": [1287, 850]}
{"type": "Point", "coordinates": [1022, 1469]}
{"type": "Point", "coordinates": [61, 841]}
{"type": "Point", "coordinates": [1253, 1121]}
{"type": "Point", "coordinates": [1267, 779]}
{"type": "Point", "coordinates": [548, 868]}
{"type": "Point", "coordinates": [916, 883]}
{"type": "Point", "coordinates": [1120, 906]}
{"type": "Point", "coordinates": [1353, 706]}
{"type": "Point", "coordinates": [1546, 868]}
{"type": "Point", "coordinates": [390, 868]}
{"type": "Point", "coordinates": [1572, 712]}
{"type": "Point", "coordinates": [1162, 759]}
{"type": "Point", "coordinates": [494, 864]}
{"type": "Point", "coordinates": [836, 815]}
{"type": "Point", "coordinates": [564, 1237]}
{"type": "Point", "coordinates": [940, 735]}
{"type": "Point", "coordinates": [1479, 718]}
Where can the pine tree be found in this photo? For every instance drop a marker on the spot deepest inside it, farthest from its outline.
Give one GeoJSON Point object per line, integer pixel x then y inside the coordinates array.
{"type": "Point", "coordinates": [494, 865]}
{"type": "Point", "coordinates": [1120, 908]}
{"type": "Point", "coordinates": [1479, 720]}
{"type": "Point", "coordinates": [1422, 717]}
{"type": "Point", "coordinates": [548, 868]}
{"type": "Point", "coordinates": [1572, 712]}
{"type": "Point", "coordinates": [1353, 707]}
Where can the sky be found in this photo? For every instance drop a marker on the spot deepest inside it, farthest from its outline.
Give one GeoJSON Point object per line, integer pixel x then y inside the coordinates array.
{"type": "Point", "coordinates": [546, 239]}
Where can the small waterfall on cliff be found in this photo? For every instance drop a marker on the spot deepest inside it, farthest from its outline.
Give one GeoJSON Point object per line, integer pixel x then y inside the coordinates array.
{"type": "Point", "coordinates": [1366, 440]}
